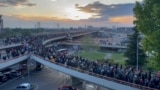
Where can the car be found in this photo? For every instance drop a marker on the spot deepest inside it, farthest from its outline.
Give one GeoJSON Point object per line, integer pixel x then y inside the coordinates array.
{"type": "Point", "coordinates": [3, 78]}
{"type": "Point", "coordinates": [16, 73]}
{"type": "Point", "coordinates": [67, 88]}
{"type": "Point", "coordinates": [24, 86]}
{"type": "Point", "coordinates": [10, 72]}
{"type": "Point", "coordinates": [8, 75]}
{"type": "Point", "coordinates": [38, 67]}
{"type": "Point", "coordinates": [6, 70]}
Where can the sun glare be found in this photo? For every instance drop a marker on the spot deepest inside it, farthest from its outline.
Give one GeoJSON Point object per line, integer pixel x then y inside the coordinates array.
{"type": "Point", "coordinates": [53, 0]}
{"type": "Point", "coordinates": [74, 14]}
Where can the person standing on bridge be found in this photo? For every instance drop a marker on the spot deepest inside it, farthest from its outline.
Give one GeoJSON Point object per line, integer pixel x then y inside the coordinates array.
{"type": "Point", "coordinates": [0, 55]}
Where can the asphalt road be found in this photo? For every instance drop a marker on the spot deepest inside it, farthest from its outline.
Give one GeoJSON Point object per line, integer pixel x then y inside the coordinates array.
{"type": "Point", "coordinates": [46, 79]}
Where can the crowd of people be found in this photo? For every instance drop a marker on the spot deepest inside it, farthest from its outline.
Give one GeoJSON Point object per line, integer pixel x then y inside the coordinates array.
{"type": "Point", "coordinates": [13, 52]}
{"type": "Point", "coordinates": [127, 74]}
{"type": "Point", "coordinates": [35, 42]}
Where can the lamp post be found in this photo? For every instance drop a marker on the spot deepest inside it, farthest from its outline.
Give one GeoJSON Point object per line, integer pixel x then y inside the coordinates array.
{"type": "Point", "coordinates": [137, 60]}
{"type": "Point", "coordinates": [28, 69]}
{"type": "Point", "coordinates": [139, 36]}
{"type": "Point", "coordinates": [1, 23]}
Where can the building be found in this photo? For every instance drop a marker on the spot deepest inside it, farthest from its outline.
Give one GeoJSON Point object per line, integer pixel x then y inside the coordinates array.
{"type": "Point", "coordinates": [1, 23]}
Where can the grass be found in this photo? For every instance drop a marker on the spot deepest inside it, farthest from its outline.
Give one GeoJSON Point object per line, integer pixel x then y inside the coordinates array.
{"type": "Point", "coordinates": [118, 58]}
{"type": "Point", "coordinates": [99, 56]}
{"type": "Point", "coordinates": [92, 55]}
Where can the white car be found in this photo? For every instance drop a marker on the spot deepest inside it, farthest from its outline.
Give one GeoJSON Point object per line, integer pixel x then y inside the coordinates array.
{"type": "Point", "coordinates": [24, 86]}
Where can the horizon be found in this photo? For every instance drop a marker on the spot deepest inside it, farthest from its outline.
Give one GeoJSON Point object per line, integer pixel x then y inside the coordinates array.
{"type": "Point", "coordinates": [101, 13]}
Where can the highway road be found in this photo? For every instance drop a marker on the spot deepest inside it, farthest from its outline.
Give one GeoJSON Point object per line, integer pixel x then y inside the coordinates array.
{"type": "Point", "coordinates": [46, 79]}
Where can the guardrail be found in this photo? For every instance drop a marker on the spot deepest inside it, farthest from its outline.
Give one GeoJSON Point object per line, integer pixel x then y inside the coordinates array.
{"type": "Point", "coordinates": [14, 60]}
{"type": "Point", "coordinates": [10, 46]}
{"type": "Point", "coordinates": [53, 39]}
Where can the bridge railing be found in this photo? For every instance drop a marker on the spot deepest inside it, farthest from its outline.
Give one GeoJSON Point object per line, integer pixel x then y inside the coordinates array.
{"type": "Point", "coordinates": [101, 76]}
{"type": "Point", "coordinates": [10, 46]}
{"type": "Point", "coordinates": [12, 58]}
{"type": "Point", "coordinates": [13, 61]}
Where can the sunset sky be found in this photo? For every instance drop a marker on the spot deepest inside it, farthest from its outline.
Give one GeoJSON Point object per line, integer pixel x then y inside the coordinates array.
{"type": "Point", "coordinates": [67, 13]}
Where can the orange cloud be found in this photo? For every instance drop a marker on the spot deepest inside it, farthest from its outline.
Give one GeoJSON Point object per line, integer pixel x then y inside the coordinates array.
{"type": "Point", "coordinates": [38, 18]}
{"type": "Point", "coordinates": [122, 19]}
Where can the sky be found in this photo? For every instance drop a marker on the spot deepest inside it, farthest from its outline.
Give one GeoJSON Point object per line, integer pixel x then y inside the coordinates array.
{"type": "Point", "coordinates": [67, 13]}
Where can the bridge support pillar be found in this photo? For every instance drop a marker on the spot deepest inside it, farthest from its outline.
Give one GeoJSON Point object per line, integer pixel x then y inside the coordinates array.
{"type": "Point", "coordinates": [83, 84]}
{"type": "Point", "coordinates": [89, 86]}
{"type": "Point", "coordinates": [38, 66]}
{"type": "Point", "coordinates": [76, 81]}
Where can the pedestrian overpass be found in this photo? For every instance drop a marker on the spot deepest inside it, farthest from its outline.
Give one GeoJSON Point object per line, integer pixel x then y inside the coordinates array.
{"type": "Point", "coordinates": [62, 37]}
{"type": "Point", "coordinates": [10, 62]}
{"type": "Point", "coordinates": [102, 81]}
{"type": "Point", "coordinates": [90, 77]}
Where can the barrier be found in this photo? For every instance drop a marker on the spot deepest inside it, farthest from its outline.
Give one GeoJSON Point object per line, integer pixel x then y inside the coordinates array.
{"type": "Point", "coordinates": [10, 46]}
{"type": "Point", "coordinates": [13, 61]}
{"type": "Point", "coordinates": [13, 58]}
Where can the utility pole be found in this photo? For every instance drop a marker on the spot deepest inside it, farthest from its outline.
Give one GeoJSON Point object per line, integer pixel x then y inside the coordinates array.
{"type": "Point", "coordinates": [137, 57]}
{"type": "Point", "coordinates": [28, 70]}
{"type": "Point", "coordinates": [1, 23]}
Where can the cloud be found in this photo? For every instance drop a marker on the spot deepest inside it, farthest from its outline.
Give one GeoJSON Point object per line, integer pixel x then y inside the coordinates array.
{"type": "Point", "coordinates": [16, 2]}
{"type": "Point", "coordinates": [120, 19]}
{"type": "Point", "coordinates": [37, 18]}
{"type": "Point", "coordinates": [102, 12]}
{"type": "Point", "coordinates": [29, 21]}
{"type": "Point", "coordinates": [53, 0]}
{"type": "Point", "coordinates": [29, 4]}
{"type": "Point", "coordinates": [2, 5]}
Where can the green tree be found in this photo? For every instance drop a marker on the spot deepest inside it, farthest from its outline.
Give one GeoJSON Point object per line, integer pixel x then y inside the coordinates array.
{"type": "Point", "coordinates": [26, 33]}
{"type": "Point", "coordinates": [88, 44]}
{"type": "Point", "coordinates": [148, 22]}
{"type": "Point", "coordinates": [131, 52]}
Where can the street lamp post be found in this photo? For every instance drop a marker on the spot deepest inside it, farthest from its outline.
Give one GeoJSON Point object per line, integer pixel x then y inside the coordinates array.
{"type": "Point", "coordinates": [137, 55]}
{"type": "Point", "coordinates": [28, 70]}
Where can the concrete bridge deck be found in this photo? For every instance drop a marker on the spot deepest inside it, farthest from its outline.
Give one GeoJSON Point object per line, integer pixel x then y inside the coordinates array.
{"type": "Point", "coordinates": [70, 71]}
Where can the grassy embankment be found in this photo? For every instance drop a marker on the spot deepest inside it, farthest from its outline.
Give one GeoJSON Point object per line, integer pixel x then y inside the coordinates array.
{"type": "Point", "coordinates": [115, 57]}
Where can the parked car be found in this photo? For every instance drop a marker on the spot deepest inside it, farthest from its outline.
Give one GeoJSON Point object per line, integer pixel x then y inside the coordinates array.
{"type": "Point", "coordinates": [8, 75]}
{"type": "Point", "coordinates": [67, 88]}
{"type": "Point", "coordinates": [24, 86]}
{"type": "Point", "coordinates": [6, 70]}
{"type": "Point", "coordinates": [3, 78]}
{"type": "Point", "coordinates": [16, 73]}
{"type": "Point", "coordinates": [10, 72]}
{"type": "Point", "coordinates": [38, 67]}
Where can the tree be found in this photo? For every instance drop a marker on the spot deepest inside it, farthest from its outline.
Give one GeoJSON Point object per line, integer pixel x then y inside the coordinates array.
{"type": "Point", "coordinates": [26, 33]}
{"type": "Point", "coordinates": [147, 16]}
{"type": "Point", "coordinates": [88, 44]}
{"type": "Point", "coordinates": [131, 52]}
